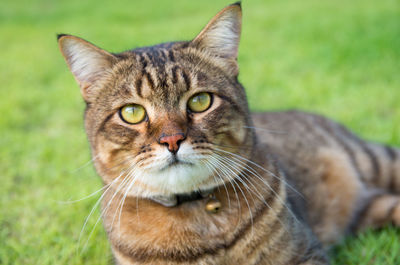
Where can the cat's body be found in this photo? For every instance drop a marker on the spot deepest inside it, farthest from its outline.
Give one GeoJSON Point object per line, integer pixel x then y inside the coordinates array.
{"type": "Point", "coordinates": [330, 179]}
{"type": "Point", "coordinates": [197, 179]}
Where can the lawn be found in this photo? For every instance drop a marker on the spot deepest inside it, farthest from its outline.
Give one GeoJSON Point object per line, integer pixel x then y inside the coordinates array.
{"type": "Point", "coordinates": [338, 58]}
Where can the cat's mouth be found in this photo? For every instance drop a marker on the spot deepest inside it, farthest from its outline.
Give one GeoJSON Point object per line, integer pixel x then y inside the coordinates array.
{"type": "Point", "coordinates": [174, 161]}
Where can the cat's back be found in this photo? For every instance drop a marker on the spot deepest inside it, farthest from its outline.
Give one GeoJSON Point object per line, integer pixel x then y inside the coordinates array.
{"type": "Point", "coordinates": [295, 127]}
{"type": "Point", "coordinates": [296, 135]}
{"type": "Point", "coordinates": [319, 157]}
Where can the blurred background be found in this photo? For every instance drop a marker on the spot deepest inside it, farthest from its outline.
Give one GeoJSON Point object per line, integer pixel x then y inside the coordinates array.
{"type": "Point", "coordinates": [338, 58]}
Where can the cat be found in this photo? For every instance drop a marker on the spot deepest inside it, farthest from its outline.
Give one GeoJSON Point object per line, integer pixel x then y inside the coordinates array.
{"type": "Point", "coordinates": [192, 177]}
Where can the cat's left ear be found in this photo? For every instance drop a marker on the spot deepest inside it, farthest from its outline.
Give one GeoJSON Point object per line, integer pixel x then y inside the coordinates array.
{"type": "Point", "coordinates": [221, 35]}
{"type": "Point", "coordinates": [86, 61]}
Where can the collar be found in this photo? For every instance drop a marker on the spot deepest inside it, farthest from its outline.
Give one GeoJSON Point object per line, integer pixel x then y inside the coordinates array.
{"type": "Point", "coordinates": [178, 199]}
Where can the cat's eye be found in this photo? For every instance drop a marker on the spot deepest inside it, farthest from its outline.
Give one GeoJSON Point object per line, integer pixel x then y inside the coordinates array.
{"type": "Point", "coordinates": [200, 102]}
{"type": "Point", "coordinates": [132, 113]}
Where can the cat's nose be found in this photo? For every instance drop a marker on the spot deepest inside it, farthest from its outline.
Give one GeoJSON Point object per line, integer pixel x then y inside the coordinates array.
{"type": "Point", "coordinates": [173, 141]}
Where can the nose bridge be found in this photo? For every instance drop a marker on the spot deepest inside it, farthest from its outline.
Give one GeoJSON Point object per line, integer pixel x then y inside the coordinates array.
{"type": "Point", "coordinates": [172, 125]}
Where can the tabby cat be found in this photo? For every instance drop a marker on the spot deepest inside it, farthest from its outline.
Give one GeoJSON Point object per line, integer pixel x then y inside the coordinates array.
{"type": "Point", "coordinates": [192, 177]}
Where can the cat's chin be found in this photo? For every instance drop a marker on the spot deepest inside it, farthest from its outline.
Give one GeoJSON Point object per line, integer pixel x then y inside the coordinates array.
{"type": "Point", "coordinates": [175, 164]}
{"type": "Point", "coordinates": [177, 178]}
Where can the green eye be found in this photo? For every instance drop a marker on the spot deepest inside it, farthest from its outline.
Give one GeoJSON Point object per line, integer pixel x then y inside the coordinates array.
{"type": "Point", "coordinates": [200, 102]}
{"type": "Point", "coordinates": [132, 113]}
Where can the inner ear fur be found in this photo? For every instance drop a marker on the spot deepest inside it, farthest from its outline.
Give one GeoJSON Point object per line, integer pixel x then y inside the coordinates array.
{"type": "Point", "coordinates": [86, 61]}
{"type": "Point", "coordinates": [222, 34]}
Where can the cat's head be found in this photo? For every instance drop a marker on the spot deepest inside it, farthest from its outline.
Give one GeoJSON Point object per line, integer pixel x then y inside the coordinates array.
{"type": "Point", "coordinates": [160, 119]}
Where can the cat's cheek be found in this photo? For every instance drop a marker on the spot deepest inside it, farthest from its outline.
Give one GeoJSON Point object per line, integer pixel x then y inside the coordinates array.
{"type": "Point", "coordinates": [232, 137]}
{"type": "Point", "coordinates": [103, 151]}
{"type": "Point", "coordinates": [238, 130]}
{"type": "Point", "coordinates": [110, 159]}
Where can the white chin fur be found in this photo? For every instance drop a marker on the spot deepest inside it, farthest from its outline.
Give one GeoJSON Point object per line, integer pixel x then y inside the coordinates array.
{"type": "Point", "coordinates": [165, 180]}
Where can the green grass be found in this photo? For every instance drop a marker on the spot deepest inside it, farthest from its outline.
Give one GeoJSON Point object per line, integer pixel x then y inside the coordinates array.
{"type": "Point", "coordinates": [339, 58]}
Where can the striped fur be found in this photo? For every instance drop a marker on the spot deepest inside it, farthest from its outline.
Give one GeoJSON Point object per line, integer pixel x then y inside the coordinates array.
{"type": "Point", "coordinates": [289, 182]}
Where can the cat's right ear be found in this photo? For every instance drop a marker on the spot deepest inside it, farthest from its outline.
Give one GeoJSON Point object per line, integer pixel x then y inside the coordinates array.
{"type": "Point", "coordinates": [86, 61]}
{"type": "Point", "coordinates": [220, 37]}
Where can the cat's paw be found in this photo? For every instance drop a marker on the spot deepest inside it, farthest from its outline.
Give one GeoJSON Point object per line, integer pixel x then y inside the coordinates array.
{"type": "Point", "coordinates": [382, 210]}
{"type": "Point", "coordinates": [395, 215]}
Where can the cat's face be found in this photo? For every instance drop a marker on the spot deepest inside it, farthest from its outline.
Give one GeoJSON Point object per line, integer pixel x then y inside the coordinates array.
{"type": "Point", "coordinates": [159, 119]}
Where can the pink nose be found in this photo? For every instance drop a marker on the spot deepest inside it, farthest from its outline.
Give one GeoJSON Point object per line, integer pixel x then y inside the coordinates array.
{"type": "Point", "coordinates": [172, 141]}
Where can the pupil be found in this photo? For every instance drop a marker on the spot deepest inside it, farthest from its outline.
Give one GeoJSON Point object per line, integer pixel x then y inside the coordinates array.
{"type": "Point", "coordinates": [201, 99]}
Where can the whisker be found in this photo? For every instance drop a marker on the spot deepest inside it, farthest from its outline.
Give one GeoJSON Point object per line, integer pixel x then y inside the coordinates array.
{"type": "Point", "coordinates": [240, 189]}
{"type": "Point", "coordinates": [263, 169]}
{"type": "Point", "coordinates": [104, 210]}
{"type": "Point", "coordinates": [247, 168]}
{"type": "Point", "coordinates": [86, 164]}
{"type": "Point", "coordinates": [95, 206]}
{"type": "Point", "coordinates": [123, 200]}
{"type": "Point", "coordinates": [116, 192]}
{"type": "Point", "coordinates": [95, 192]}
{"type": "Point", "coordinates": [246, 147]}
{"type": "Point", "coordinates": [239, 173]}
{"type": "Point", "coordinates": [86, 197]}
{"type": "Point", "coordinates": [223, 182]}
{"type": "Point", "coordinates": [265, 130]}
{"type": "Point", "coordinates": [233, 187]}
{"type": "Point", "coordinates": [259, 195]}
{"type": "Point", "coordinates": [212, 171]}
{"type": "Point", "coordinates": [129, 177]}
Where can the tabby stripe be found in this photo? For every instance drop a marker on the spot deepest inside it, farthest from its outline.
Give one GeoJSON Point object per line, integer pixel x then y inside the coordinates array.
{"type": "Point", "coordinates": [344, 145]}
{"type": "Point", "coordinates": [261, 211]}
{"type": "Point", "coordinates": [187, 80]}
{"type": "Point", "coordinates": [233, 104]}
{"type": "Point", "coordinates": [149, 57]}
{"type": "Point", "coordinates": [163, 55]}
{"type": "Point", "coordinates": [162, 81]}
{"type": "Point", "coordinates": [361, 214]}
{"type": "Point", "coordinates": [145, 255]}
{"type": "Point", "coordinates": [143, 60]}
{"type": "Point", "coordinates": [174, 71]}
{"type": "Point", "coordinates": [120, 134]}
{"type": "Point", "coordinates": [102, 125]}
{"type": "Point", "coordinates": [271, 237]}
{"type": "Point", "coordinates": [322, 123]}
{"type": "Point", "coordinates": [138, 86]}
{"type": "Point", "coordinates": [171, 56]}
{"type": "Point", "coordinates": [150, 80]}
{"type": "Point", "coordinates": [373, 158]}
{"type": "Point", "coordinates": [391, 153]}
{"type": "Point", "coordinates": [314, 254]}
{"type": "Point", "coordinates": [310, 126]}
{"type": "Point", "coordinates": [371, 155]}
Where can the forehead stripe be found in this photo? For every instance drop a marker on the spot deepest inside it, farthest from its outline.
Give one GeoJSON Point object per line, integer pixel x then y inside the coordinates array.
{"type": "Point", "coordinates": [143, 60]}
{"type": "Point", "coordinates": [187, 80]}
{"type": "Point", "coordinates": [138, 86]}
{"type": "Point", "coordinates": [175, 71]}
{"type": "Point", "coordinates": [171, 55]}
{"type": "Point", "coordinates": [150, 80]}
